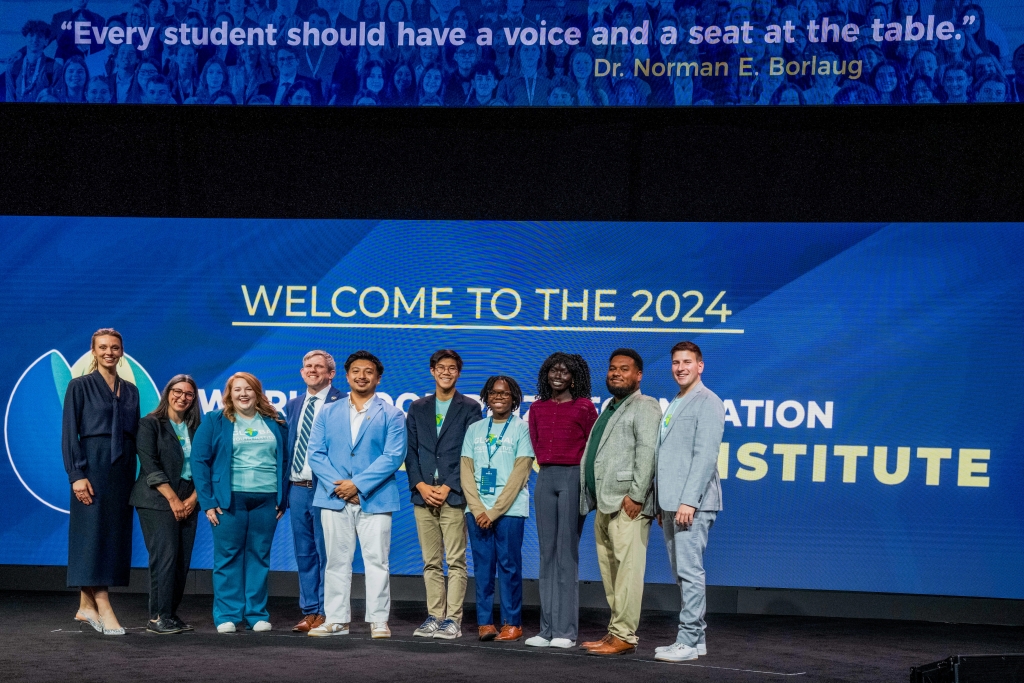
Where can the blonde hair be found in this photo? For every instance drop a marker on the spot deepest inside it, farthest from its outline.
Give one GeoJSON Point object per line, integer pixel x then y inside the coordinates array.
{"type": "Point", "coordinates": [104, 332]}
{"type": "Point", "coordinates": [263, 406]}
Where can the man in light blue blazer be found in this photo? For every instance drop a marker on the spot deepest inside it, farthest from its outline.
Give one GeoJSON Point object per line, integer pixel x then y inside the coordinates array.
{"type": "Point", "coordinates": [355, 448]}
{"type": "Point", "coordinates": [689, 492]}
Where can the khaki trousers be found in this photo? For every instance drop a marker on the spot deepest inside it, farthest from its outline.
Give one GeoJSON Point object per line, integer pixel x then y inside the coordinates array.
{"type": "Point", "coordinates": [622, 557]}
{"type": "Point", "coordinates": [442, 532]}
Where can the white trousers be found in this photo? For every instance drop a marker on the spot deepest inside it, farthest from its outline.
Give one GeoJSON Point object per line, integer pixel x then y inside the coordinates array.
{"type": "Point", "coordinates": [342, 528]}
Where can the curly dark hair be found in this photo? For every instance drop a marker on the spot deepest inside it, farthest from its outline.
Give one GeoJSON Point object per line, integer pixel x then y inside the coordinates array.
{"type": "Point", "coordinates": [577, 367]}
{"type": "Point", "coordinates": [513, 386]}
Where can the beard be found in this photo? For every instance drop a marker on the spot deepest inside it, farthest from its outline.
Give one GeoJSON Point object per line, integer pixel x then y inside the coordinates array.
{"type": "Point", "coordinates": [623, 391]}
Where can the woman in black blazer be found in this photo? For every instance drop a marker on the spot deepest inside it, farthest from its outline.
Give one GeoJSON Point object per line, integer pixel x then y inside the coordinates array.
{"type": "Point", "coordinates": [165, 498]}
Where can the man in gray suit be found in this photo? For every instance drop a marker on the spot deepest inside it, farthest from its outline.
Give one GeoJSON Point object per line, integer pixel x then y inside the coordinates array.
{"type": "Point", "coordinates": [689, 493]}
{"type": "Point", "coordinates": [617, 480]}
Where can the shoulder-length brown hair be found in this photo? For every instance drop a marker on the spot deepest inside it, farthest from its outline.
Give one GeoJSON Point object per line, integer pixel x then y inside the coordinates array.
{"type": "Point", "coordinates": [192, 415]}
{"type": "Point", "coordinates": [263, 406]}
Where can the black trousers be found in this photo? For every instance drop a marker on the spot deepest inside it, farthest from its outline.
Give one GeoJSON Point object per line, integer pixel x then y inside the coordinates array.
{"type": "Point", "coordinates": [169, 543]}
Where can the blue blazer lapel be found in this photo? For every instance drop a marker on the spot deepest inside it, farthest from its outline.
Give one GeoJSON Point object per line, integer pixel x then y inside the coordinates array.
{"type": "Point", "coordinates": [371, 413]}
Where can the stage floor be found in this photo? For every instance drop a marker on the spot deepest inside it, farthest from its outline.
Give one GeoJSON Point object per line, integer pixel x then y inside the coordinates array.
{"type": "Point", "coordinates": [40, 641]}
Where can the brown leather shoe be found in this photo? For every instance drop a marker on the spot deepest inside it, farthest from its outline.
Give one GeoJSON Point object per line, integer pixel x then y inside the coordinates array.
{"type": "Point", "coordinates": [487, 632]}
{"type": "Point", "coordinates": [595, 643]}
{"type": "Point", "coordinates": [309, 621]}
{"type": "Point", "coordinates": [509, 633]}
{"type": "Point", "coordinates": [614, 646]}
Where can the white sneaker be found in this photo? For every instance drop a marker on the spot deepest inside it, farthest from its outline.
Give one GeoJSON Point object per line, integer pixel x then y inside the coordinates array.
{"type": "Point", "coordinates": [325, 630]}
{"type": "Point", "coordinates": [702, 649]}
{"type": "Point", "coordinates": [261, 626]}
{"type": "Point", "coordinates": [226, 627]}
{"type": "Point", "coordinates": [677, 653]}
{"type": "Point", "coordinates": [379, 629]}
{"type": "Point", "coordinates": [563, 643]}
{"type": "Point", "coordinates": [428, 628]}
{"type": "Point", "coordinates": [537, 641]}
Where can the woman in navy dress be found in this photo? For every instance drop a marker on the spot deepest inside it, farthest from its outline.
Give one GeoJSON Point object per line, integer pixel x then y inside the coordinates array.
{"type": "Point", "coordinates": [101, 417]}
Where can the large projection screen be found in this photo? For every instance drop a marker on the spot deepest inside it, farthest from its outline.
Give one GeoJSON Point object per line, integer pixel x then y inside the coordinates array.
{"type": "Point", "coordinates": [873, 374]}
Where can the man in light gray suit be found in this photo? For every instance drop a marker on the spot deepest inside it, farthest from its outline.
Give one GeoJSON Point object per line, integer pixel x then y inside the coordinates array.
{"type": "Point", "coordinates": [689, 493]}
{"type": "Point", "coordinates": [617, 480]}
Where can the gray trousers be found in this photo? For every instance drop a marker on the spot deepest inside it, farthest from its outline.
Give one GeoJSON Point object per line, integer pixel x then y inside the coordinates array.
{"type": "Point", "coordinates": [556, 499]}
{"type": "Point", "coordinates": [686, 554]}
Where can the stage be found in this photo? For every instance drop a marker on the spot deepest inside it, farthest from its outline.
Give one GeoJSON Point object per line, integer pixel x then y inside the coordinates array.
{"type": "Point", "coordinates": [42, 642]}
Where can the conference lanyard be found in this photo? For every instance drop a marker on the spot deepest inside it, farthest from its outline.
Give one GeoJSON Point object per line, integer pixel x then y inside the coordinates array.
{"type": "Point", "coordinates": [497, 442]}
{"type": "Point", "coordinates": [489, 475]}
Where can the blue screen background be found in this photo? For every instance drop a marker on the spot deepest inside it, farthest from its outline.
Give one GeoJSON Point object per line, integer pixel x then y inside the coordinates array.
{"type": "Point", "coordinates": [913, 332]}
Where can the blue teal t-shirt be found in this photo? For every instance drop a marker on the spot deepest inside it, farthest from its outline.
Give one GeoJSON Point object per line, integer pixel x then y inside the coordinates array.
{"type": "Point", "coordinates": [440, 412]}
{"type": "Point", "coordinates": [254, 456]}
{"type": "Point", "coordinates": [181, 430]}
{"type": "Point", "coordinates": [515, 444]}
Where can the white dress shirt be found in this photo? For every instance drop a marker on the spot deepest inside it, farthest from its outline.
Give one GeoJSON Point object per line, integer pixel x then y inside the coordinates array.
{"type": "Point", "coordinates": [321, 396]}
{"type": "Point", "coordinates": [357, 417]}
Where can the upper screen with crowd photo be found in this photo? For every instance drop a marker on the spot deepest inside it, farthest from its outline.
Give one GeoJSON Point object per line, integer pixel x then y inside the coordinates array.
{"type": "Point", "coordinates": [519, 53]}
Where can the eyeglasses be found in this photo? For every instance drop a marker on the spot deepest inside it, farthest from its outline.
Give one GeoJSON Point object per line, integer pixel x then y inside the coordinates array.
{"type": "Point", "coordinates": [446, 370]}
{"type": "Point", "coordinates": [178, 393]}
{"type": "Point", "coordinates": [499, 394]}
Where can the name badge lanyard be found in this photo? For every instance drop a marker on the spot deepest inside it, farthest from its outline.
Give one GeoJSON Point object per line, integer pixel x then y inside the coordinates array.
{"type": "Point", "coordinates": [489, 476]}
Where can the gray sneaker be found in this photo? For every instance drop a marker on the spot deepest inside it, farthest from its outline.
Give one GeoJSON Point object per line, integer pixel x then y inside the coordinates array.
{"type": "Point", "coordinates": [428, 628]}
{"type": "Point", "coordinates": [448, 630]}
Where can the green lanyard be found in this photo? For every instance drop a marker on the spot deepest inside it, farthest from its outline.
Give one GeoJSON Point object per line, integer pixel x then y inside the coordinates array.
{"type": "Point", "coordinates": [497, 442]}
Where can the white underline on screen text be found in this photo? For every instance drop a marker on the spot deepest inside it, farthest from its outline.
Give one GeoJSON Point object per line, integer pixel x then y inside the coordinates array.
{"type": "Point", "coordinates": [491, 328]}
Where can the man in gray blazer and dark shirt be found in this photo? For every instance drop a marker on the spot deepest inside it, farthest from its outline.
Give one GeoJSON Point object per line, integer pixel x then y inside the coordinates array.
{"type": "Point", "coordinates": [617, 480]}
{"type": "Point", "coordinates": [689, 493]}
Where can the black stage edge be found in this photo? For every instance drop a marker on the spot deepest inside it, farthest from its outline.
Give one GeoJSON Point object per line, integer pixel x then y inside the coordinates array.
{"type": "Point", "coordinates": [904, 163]}
{"type": "Point", "coordinates": [657, 597]}
{"type": "Point", "coordinates": [41, 642]}
{"type": "Point", "coordinates": [1008, 668]}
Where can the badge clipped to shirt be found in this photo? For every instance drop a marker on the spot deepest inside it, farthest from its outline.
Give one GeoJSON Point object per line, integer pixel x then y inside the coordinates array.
{"type": "Point", "coordinates": [488, 480]}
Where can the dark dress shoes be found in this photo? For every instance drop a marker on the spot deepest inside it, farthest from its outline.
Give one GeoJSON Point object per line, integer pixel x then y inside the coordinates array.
{"type": "Point", "coordinates": [163, 627]}
{"type": "Point", "coordinates": [181, 624]}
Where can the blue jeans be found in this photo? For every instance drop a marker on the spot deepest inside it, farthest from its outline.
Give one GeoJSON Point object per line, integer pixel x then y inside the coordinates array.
{"type": "Point", "coordinates": [241, 558]}
{"type": "Point", "coordinates": [310, 551]}
{"type": "Point", "coordinates": [499, 547]}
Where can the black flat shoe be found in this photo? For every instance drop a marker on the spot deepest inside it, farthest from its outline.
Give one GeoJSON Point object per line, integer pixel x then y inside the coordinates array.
{"type": "Point", "coordinates": [181, 624]}
{"type": "Point", "coordinates": [163, 627]}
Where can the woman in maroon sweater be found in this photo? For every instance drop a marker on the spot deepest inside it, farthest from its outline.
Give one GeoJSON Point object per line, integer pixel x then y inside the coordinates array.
{"type": "Point", "coordinates": [560, 422]}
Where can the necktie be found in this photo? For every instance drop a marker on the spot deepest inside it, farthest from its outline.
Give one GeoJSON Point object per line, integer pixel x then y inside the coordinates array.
{"type": "Point", "coordinates": [300, 445]}
{"type": "Point", "coordinates": [282, 88]}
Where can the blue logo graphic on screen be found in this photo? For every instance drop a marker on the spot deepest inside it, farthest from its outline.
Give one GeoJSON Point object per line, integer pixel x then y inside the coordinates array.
{"type": "Point", "coordinates": [32, 422]}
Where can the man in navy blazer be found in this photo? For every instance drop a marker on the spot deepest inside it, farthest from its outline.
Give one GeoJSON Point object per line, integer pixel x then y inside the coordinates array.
{"type": "Point", "coordinates": [436, 429]}
{"type": "Point", "coordinates": [355, 448]}
{"type": "Point", "coordinates": [318, 370]}
{"type": "Point", "coordinates": [689, 493]}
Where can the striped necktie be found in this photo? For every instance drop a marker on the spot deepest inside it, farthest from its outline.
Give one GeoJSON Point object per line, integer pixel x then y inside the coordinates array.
{"type": "Point", "coordinates": [303, 441]}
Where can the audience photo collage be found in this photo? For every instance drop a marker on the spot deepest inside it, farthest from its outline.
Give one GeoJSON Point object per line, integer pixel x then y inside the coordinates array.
{"type": "Point", "coordinates": [979, 64]}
